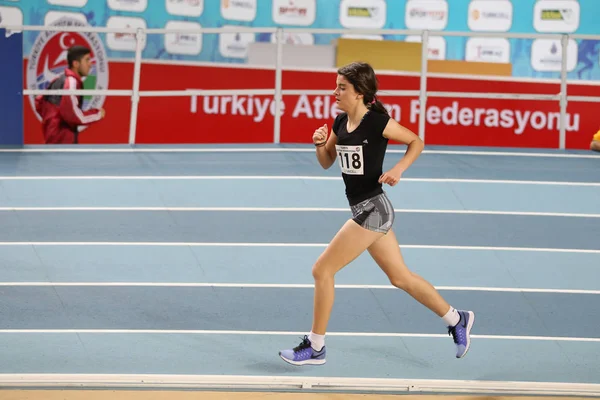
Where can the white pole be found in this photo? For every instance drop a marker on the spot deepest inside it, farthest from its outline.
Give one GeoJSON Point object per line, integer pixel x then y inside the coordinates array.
{"type": "Point", "coordinates": [135, 97]}
{"type": "Point", "coordinates": [423, 85]}
{"type": "Point", "coordinates": [278, 86]}
{"type": "Point", "coordinates": [564, 42]}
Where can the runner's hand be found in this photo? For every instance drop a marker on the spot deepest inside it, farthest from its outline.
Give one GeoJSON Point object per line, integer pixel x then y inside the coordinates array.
{"type": "Point", "coordinates": [391, 177]}
{"type": "Point", "coordinates": [320, 134]}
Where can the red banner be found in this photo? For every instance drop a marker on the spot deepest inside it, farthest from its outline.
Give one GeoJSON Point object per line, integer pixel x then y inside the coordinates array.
{"type": "Point", "coordinates": [250, 118]}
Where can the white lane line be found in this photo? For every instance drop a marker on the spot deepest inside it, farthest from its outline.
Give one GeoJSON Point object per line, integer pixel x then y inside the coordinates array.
{"type": "Point", "coordinates": [269, 244]}
{"type": "Point", "coordinates": [288, 333]}
{"type": "Point", "coordinates": [307, 149]}
{"type": "Point", "coordinates": [287, 177]}
{"type": "Point", "coordinates": [291, 286]}
{"type": "Point", "coordinates": [299, 209]}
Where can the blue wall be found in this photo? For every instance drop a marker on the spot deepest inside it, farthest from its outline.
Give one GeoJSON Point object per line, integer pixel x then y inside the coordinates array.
{"type": "Point", "coordinates": [11, 104]}
{"type": "Point", "coordinates": [327, 15]}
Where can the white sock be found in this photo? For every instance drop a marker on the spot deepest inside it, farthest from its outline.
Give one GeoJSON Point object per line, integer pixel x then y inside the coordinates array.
{"type": "Point", "coordinates": [317, 341]}
{"type": "Point", "coordinates": [452, 317]}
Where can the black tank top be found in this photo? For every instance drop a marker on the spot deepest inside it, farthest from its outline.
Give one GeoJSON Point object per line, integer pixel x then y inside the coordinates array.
{"type": "Point", "coordinates": [360, 154]}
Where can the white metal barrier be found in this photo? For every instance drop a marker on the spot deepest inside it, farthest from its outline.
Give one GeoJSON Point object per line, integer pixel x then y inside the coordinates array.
{"type": "Point", "coordinates": [278, 92]}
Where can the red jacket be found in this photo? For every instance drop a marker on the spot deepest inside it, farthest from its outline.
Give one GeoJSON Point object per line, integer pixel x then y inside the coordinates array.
{"type": "Point", "coordinates": [62, 115]}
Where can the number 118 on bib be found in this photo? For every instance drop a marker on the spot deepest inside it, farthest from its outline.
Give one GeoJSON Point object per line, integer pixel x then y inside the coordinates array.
{"type": "Point", "coordinates": [351, 159]}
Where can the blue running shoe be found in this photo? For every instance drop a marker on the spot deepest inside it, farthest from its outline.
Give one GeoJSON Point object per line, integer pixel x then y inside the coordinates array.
{"type": "Point", "coordinates": [461, 333]}
{"type": "Point", "coordinates": [303, 354]}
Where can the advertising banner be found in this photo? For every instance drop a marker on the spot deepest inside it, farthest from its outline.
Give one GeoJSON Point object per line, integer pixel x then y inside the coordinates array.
{"type": "Point", "coordinates": [538, 58]}
{"type": "Point", "coordinates": [250, 118]}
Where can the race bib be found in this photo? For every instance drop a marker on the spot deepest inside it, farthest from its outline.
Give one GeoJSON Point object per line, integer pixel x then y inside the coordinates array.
{"type": "Point", "coordinates": [351, 159]}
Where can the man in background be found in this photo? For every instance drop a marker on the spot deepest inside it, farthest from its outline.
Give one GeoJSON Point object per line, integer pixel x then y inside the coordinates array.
{"type": "Point", "coordinates": [62, 114]}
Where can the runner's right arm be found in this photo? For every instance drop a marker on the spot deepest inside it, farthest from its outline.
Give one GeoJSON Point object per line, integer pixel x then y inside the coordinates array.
{"type": "Point", "coordinates": [325, 152]}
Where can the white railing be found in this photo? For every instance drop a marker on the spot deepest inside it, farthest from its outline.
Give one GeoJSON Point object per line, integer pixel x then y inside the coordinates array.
{"type": "Point", "coordinates": [278, 92]}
